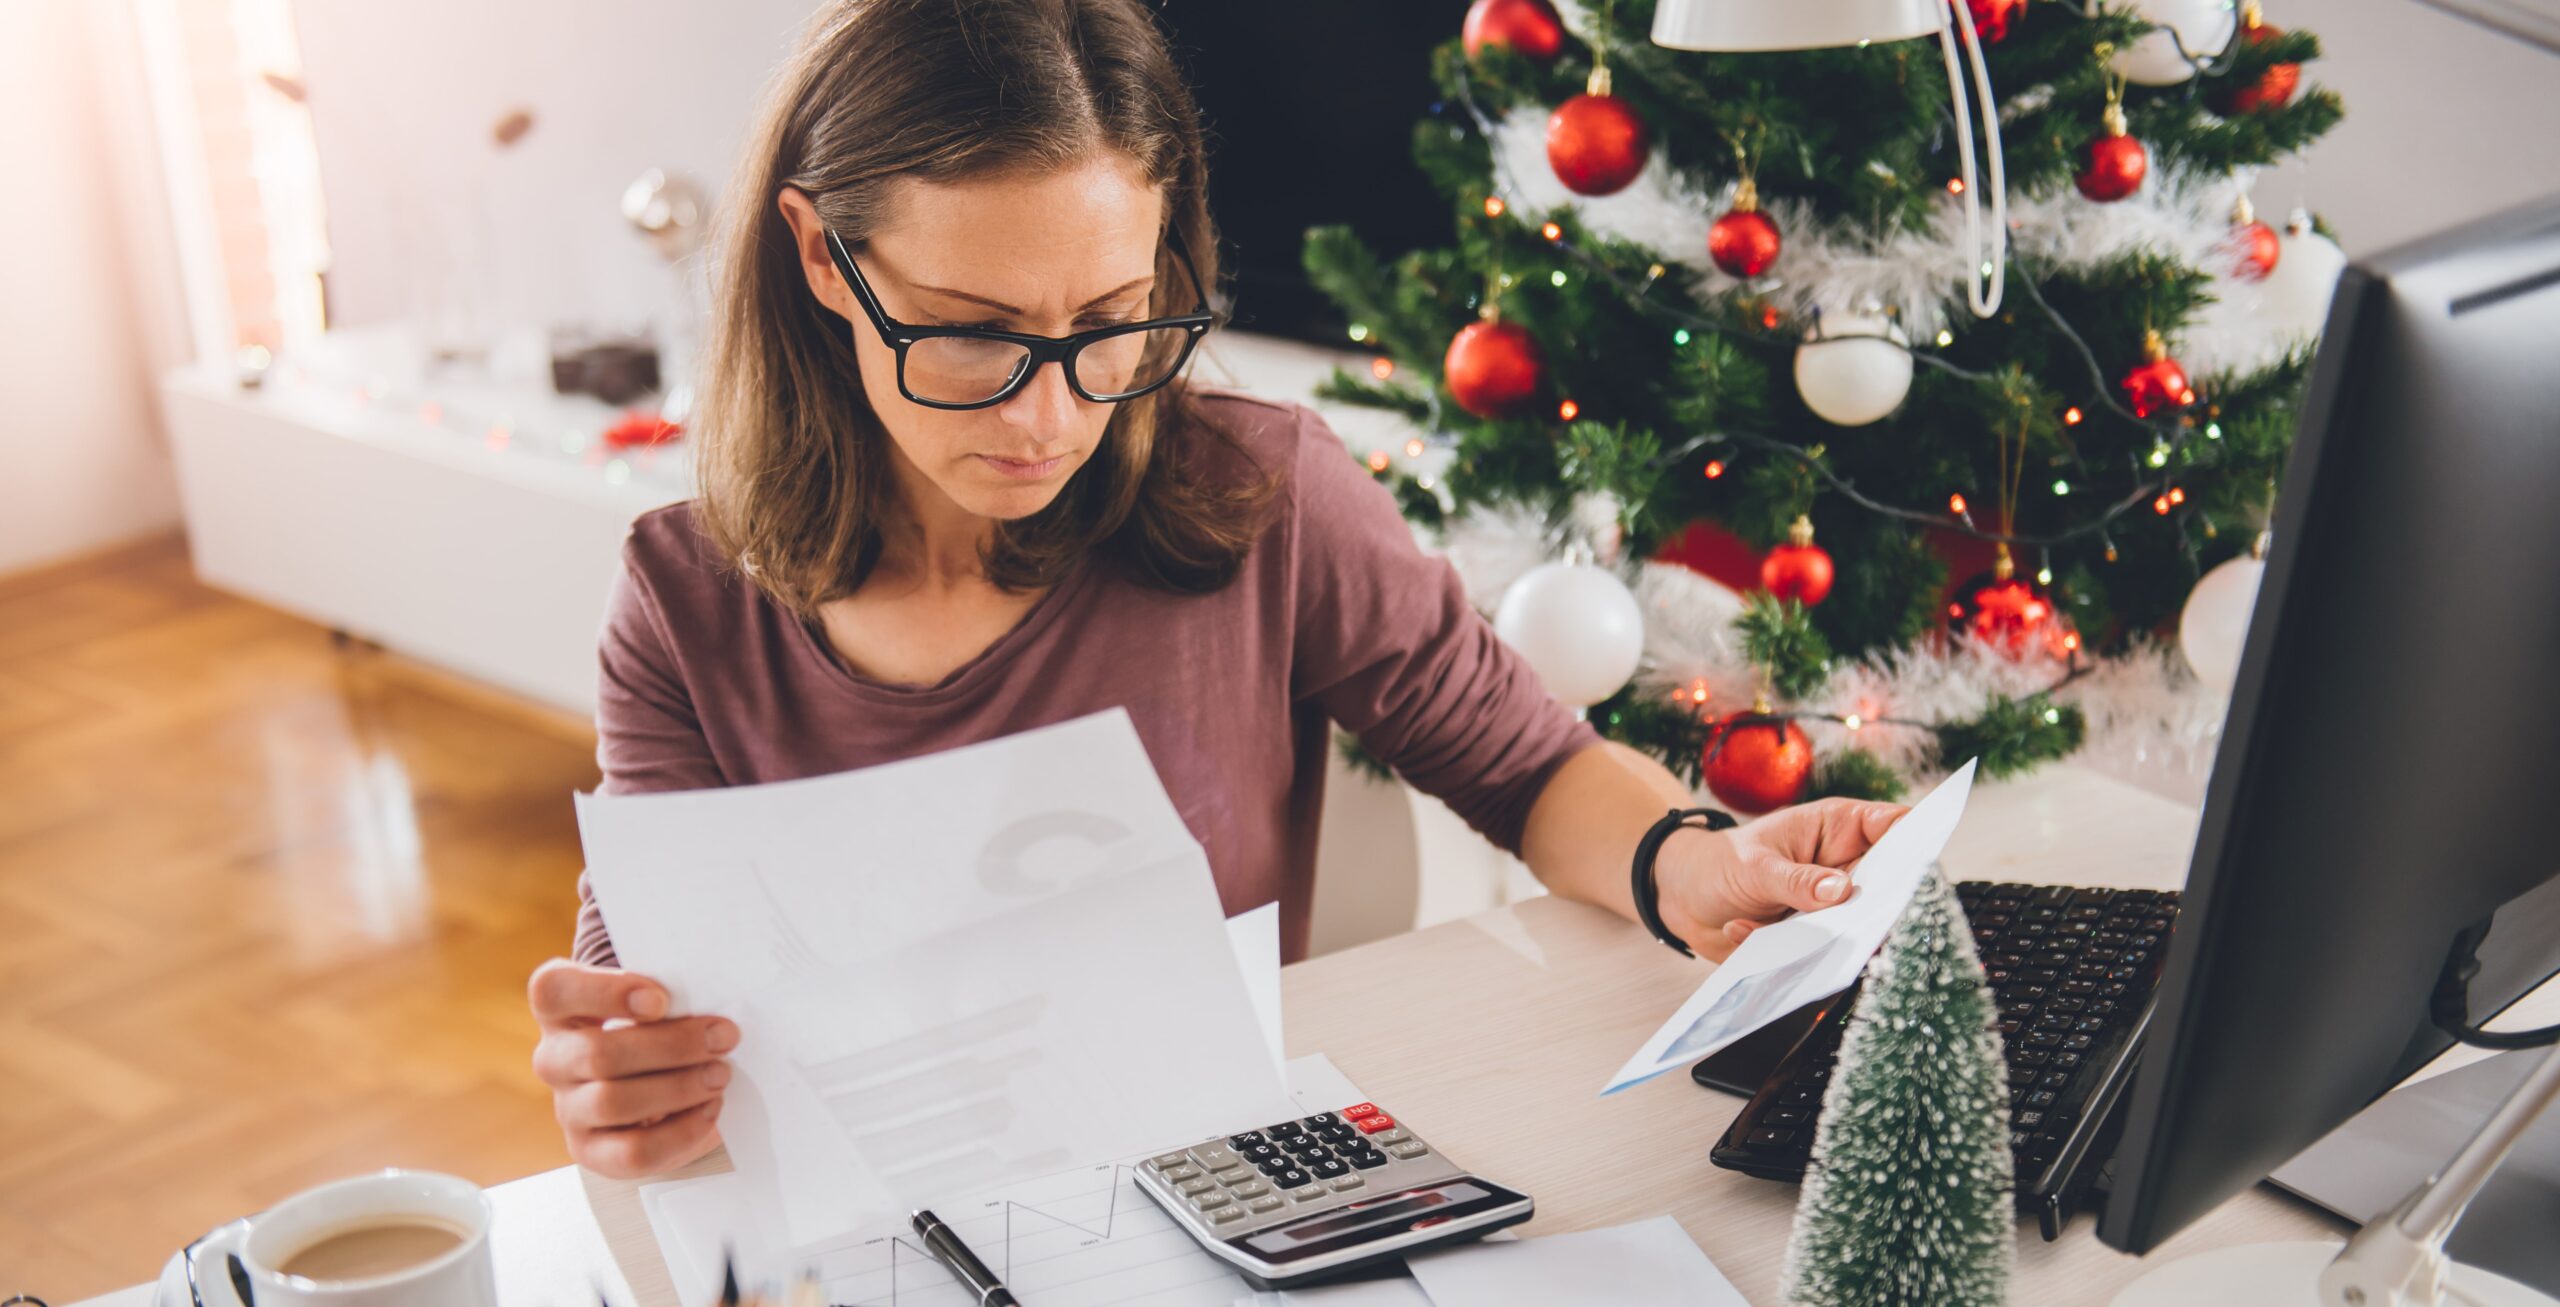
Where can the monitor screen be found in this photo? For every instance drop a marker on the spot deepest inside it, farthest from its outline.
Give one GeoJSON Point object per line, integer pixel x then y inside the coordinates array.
{"type": "Point", "coordinates": [2384, 784]}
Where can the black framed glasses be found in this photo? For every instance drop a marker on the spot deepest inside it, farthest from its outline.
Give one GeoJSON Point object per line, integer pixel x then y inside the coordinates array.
{"type": "Point", "coordinates": [975, 367]}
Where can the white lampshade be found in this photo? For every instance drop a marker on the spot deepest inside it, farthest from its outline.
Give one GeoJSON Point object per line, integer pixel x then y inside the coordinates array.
{"type": "Point", "coordinates": [1732, 25]}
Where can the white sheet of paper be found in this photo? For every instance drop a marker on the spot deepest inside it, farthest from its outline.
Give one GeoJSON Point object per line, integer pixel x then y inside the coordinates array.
{"type": "Point", "coordinates": [1793, 961]}
{"type": "Point", "coordinates": [1400, 1291]}
{"type": "Point", "coordinates": [1644, 1264]}
{"type": "Point", "coordinates": [1081, 1238]}
{"type": "Point", "coordinates": [1255, 935]}
{"type": "Point", "coordinates": [948, 973]}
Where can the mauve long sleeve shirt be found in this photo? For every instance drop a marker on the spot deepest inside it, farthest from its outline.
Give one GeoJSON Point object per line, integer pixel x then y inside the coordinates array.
{"type": "Point", "coordinates": [1336, 616]}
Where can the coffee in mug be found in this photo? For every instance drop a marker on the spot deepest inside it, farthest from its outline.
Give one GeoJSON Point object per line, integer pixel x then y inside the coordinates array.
{"type": "Point", "coordinates": [365, 1251]}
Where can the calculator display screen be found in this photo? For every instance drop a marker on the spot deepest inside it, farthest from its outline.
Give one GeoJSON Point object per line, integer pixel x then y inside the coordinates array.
{"type": "Point", "coordinates": [1376, 1218]}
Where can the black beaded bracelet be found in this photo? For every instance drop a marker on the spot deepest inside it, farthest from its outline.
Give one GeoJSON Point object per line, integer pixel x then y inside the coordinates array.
{"type": "Point", "coordinates": [1648, 895]}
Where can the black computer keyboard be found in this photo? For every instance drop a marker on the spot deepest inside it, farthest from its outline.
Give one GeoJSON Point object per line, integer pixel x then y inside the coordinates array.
{"type": "Point", "coordinates": [2074, 971]}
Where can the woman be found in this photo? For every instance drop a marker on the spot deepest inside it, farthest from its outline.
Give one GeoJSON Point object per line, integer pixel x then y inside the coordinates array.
{"type": "Point", "coordinates": [913, 534]}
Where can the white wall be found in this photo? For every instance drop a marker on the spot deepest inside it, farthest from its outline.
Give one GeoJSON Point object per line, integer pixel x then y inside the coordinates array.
{"type": "Point", "coordinates": [82, 463]}
{"type": "Point", "coordinates": [427, 215]}
{"type": "Point", "coordinates": [2445, 121]}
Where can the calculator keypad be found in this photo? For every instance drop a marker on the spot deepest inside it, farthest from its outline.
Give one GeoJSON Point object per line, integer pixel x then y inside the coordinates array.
{"type": "Point", "coordinates": [1257, 1174]}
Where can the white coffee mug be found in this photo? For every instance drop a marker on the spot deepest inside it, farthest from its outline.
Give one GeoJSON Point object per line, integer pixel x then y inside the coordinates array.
{"type": "Point", "coordinates": [460, 1276]}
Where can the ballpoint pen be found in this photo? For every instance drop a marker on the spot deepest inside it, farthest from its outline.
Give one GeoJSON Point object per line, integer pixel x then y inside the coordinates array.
{"type": "Point", "coordinates": [944, 1243]}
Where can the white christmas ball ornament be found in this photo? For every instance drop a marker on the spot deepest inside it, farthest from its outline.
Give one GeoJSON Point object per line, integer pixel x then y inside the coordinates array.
{"type": "Point", "coordinates": [2294, 298]}
{"type": "Point", "coordinates": [1853, 368]}
{"type": "Point", "coordinates": [2204, 27]}
{"type": "Point", "coordinates": [1578, 626]}
{"type": "Point", "coordinates": [2215, 623]}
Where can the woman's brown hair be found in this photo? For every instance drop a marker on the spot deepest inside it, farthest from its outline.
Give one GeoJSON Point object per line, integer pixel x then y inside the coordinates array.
{"type": "Point", "coordinates": [794, 466]}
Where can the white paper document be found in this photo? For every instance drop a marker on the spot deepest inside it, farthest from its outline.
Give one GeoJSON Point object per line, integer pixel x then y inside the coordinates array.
{"type": "Point", "coordinates": [1084, 1237]}
{"type": "Point", "coordinates": [1644, 1264]}
{"type": "Point", "coordinates": [1255, 936]}
{"type": "Point", "coordinates": [1398, 1291]}
{"type": "Point", "coordinates": [1793, 961]}
{"type": "Point", "coordinates": [949, 973]}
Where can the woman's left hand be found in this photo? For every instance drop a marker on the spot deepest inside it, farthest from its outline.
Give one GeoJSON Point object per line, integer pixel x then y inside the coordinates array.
{"type": "Point", "coordinates": [1718, 887]}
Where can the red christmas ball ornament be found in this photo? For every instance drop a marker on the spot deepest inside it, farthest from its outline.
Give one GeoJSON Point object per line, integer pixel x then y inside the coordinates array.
{"type": "Point", "coordinates": [2158, 382]}
{"type": "Point", "coordinates": [2271, 88]}
{"type": "Point", "coordinates": [1799, 569]}
{"type": "Point", "coordinates": [1494, 368]}
{"type": "Point", "coordinates": [1595, 141]}
{"type": "Point", "coordinates": [1743, 242]}
{"type": "Point", "coordinates": [1991, 18]}
{"type": "Point", "coordinates": [1528, 27]}
{"type": "Point", "coordinates": [2116, 163]}
{"type": "Point", "coordinates": [1757, 763]}
{"type": "Point", "coordinates": [2009, 613]}
{"type": "Point", "coordinates": [2254, 246]}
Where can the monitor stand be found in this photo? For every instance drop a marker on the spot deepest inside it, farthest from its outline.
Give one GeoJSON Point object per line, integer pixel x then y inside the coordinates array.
{"type": "Point", "coordinates": [2396, 1260]}
{"type": "Point", "coordinates": [2290, 1274]}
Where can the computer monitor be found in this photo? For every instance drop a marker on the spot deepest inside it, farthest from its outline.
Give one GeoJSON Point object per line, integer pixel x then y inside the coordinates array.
{"type": "Point", "coordinates": [2390, 772]}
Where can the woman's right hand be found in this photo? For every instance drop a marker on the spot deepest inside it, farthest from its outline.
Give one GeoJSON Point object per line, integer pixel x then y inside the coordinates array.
{"type": "Point", "coordinates": [635, 1100]}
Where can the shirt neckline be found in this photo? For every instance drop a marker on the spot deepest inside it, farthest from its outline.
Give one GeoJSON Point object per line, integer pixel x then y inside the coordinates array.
{"type": "Point", "coordinates": [961, 680]}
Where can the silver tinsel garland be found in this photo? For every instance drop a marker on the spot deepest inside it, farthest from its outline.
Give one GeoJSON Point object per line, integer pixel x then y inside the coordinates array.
{"type": "Point", "coordinates": [2150, 721]}
{"type": "Point", "coordinates": [1844, 268]}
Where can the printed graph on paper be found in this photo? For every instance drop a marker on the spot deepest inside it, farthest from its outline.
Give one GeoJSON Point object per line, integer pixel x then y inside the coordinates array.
{"type": "Point", "coordinates": [1068, 1240]}
{"type": "Point", "coordinates": [1081, 1237]}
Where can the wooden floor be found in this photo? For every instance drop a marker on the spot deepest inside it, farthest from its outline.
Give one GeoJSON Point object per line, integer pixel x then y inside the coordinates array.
{"type": "Point", "coordinates": [267, 907]}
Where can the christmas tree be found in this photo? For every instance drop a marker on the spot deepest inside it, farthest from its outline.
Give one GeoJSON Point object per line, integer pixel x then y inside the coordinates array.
{"type": "Point", "coordinates": [1907, 1201]}
{"type": "Point", "coordinates": [1737, 289]}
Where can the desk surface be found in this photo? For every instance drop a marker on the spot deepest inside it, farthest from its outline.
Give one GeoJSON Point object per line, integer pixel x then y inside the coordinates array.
{"type": "Point", "coordinates": [1495, 1033]}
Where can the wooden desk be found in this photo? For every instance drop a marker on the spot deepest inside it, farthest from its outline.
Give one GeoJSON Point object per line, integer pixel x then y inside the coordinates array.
{"type": "Point", "coordinates": [1495, 1033]}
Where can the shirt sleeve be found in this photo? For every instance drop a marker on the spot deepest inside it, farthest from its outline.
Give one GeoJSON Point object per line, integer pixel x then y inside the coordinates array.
{"type": "Point", "coordinates": [1387, 643]}
{"type": "Point", "coordinates": [648, 737]}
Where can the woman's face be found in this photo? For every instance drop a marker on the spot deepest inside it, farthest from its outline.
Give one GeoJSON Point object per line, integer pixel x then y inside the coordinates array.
{"type": "Point", "coordinates": [1048, 254]}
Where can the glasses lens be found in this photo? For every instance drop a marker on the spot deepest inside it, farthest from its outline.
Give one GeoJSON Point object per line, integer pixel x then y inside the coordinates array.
{"type": "Point", "coordinates": [960, 370]}
{"type": "Point", "coordinates": [1133, 361]}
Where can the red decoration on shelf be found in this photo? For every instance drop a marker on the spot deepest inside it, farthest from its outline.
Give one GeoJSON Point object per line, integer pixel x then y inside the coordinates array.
{"type": "Point", "coordinates": [2270, 89]}
{"type": "Point", "coordinates": [1991, 18]}
{"type": "Point", "coordinates": [2158, 382]}
{"type": "Point", "coordinates": [2254, 244]}
{"type": "Point", "coordinates": [2116, 163]}
{"type": "Point", "coordinates": [1595, 141]}
{"type": "Point", "coordinates": [1528, 27]}
{"type": "Point", "coordinates": [641, 427]}
{"type": "Point", "coordinates": [1757, 763]}
{"type": "Point", "coordinates": [1743, 242]}
{"type": "Point", "coordinates": [1494, 368]}
{"type": "Point", "coordinates": [2012, 614]}
{"type": "Point", "coordinates": [1799, 569]}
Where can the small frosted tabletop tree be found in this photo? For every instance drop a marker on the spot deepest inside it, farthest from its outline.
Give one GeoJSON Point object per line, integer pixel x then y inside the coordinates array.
{"type": "Point", "coordinates": [1908, 1201]}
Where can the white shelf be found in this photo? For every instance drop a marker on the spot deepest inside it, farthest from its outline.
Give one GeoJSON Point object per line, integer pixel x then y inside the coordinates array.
{"type": "Point", "coordinates": [472, 523]}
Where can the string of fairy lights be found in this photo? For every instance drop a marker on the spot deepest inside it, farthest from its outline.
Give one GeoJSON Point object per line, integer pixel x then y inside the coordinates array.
{"type": "Point", "coordinates": [1854, 722]}
{"type": "Point", "coordinates": [2154, 486]}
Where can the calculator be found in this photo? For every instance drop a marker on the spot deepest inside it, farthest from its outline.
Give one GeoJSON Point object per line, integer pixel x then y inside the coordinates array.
{"type": "Point", "coordinates": [1326, 1197]}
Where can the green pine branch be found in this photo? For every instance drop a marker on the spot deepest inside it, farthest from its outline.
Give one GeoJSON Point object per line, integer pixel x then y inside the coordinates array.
{"type": "Point", "coordinates": [1854, 774]}
{"type": "Point", "coordinates": [1779, 637]}
{"type": "Point", "coordinates": [2012, 736]}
